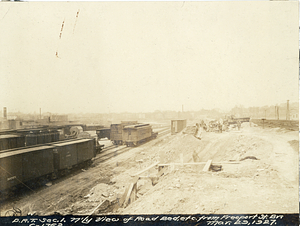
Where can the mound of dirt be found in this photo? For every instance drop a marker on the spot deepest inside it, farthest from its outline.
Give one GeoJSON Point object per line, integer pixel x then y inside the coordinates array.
{"type": "Point", "coordinates": [250, 179]}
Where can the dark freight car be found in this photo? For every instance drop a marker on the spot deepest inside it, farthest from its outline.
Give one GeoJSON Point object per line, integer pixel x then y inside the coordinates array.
{"type": "Point", "coordinates": [37, 162]}
{"type": "Point", "coordinates": [32, 137]}
{"type": "Point", "coordinates": [103, 133]}
{"type": "Point", "coordinates": [72, 153]}
{"type": "Point", "coordinates": [30, 163]}
{"type": "Point", "coordinates": [10, 170]}
{"type": "Point", "coordinates": [25, 164]}
{"type": "Point", "coordinates": [85, 150]}
{"type": "Point", "coordinates": [11, 141]}
{"type": "Point", "coordinates": [65, 155]}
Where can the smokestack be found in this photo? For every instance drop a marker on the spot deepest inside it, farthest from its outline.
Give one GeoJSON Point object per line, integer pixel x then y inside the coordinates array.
{"type": "Point", "coordinates": [5, 113]}
{"type": "Point", "coordinates": [287, 110]}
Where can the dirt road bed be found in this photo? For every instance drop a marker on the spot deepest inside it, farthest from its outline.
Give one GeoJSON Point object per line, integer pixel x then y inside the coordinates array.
{"type": "Point", "coordinates": [254, 170]}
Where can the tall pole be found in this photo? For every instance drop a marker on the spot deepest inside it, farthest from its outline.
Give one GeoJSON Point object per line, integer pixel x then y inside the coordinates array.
{"type": "Point", "coordinates": [287, 110]}
{"type": "Point", "coordinates": [5, 113]}
{"type": "Point", "coordinates": [265, 113]}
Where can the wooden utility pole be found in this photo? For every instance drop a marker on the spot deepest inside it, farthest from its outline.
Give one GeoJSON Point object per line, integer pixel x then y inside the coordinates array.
{"type": "Point", "coordinates": [5, 113]}
{"type": "Point", "coordinates": [265, 113]}
{"type": "Point", "coordinates": [287, 110]}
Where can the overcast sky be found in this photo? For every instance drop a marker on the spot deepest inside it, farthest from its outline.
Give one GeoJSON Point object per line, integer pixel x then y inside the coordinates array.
{"type": "Point", "coordinates": [147, 56]}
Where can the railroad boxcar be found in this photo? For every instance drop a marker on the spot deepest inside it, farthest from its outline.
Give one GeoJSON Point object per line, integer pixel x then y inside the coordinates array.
{"type": "Point", "coordinates": [92, 135]}
{"type": "Point", "coordinates": [37, 162]}
{"type": "Point", "coordinates": [127, 123]}
{"type": "Point", "coordinates": [177, 125]}
{"type": "Point", "coordinates": [25, 164]}
{"type": "Point", "coordinates": [116, 131]}
{"type": "Point", "coordinates": [71, 153]}
{"type": "Point", "coordinates": [92, 127]}
{"type": "Point", "coordinates": [103, 133]}
{"type": "Point", "coordinates": [10, 170]}
{"type": "Point", "coordinates": [134, 135]}
{"type": "Point", "coordinates": [85, 150]}
{"type": "Point", "coordinates": [10, 141]}
{"type": "Point", "coordinates": [65, 155]}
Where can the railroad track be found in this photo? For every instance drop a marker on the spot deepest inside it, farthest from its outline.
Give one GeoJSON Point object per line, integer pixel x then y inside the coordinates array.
{"type": "Point", "coordinates": [164, 132]}
{"type": "Point", "coordinates": [115, 150]}
{"type": "Point", "coordinates": [269, 123]}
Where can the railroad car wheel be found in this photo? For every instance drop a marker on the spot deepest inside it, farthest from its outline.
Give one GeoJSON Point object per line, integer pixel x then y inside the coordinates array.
{"type": "Point", "coordinates": [89, 162]}
{"type": "Point", "coordinates": [53, 176]}
{"type": "Point", "coordinates": [14, 212]}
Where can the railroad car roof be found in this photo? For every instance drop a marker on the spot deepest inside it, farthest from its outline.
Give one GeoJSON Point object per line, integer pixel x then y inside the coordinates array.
{"type": "Point", "coordinates": [4, 132]}
{"type": "Point", "coordinates": [103, 129]}
{"type": "Point", "coordinates": [136, 126]}
{"type": "Point", "coordinates": [23, 150]}
{"type": "Point", "coordinates": [71, 142]}
{"type": "Point", "coordinates": [9, 136]}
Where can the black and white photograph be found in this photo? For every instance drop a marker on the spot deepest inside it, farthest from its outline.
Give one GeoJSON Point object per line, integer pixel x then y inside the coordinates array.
{"type": "Point", "coordinates": [148, 108]}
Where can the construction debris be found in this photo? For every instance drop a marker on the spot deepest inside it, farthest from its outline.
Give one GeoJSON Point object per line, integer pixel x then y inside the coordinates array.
{"type": "Point", "coordinates": [249, 157]}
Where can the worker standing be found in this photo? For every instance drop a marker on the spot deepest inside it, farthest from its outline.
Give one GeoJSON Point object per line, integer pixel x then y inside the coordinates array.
{"type": "Point", "coordinates": [239, 124]}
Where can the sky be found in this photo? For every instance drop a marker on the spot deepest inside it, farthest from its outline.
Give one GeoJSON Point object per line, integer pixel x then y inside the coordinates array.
{"type": "Point", "coordinates": [147, 56]}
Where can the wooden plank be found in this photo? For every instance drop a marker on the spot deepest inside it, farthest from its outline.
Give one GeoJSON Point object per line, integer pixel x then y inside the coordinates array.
{"type": "Point", "coordinates": [187, 163]}
{"type": "Point", "coordinates": [131, 194]}
{"type": "Point", "coordinates": [144, 170]}
{"type": "Point", "coordinates": [162, 171]}
{"type": "Point", "coordinates": [127, 190]}
{"type": "Point", "coordinates": [96, 208]}
{"type": "Point", "coordinates": [145, 177]}
{"type": "Point", "coordinates": [195, 163]}
{"type": "Point", "coordinates": [207, 165]}
{"type": "Point", "coordinates": [130, 187]}
{"type": "Point", "coordinates": [135, 179]}
{"type": "Point", "coordinates": [121, 201]}
{"type": "Point", "coordinates": [218, 163]}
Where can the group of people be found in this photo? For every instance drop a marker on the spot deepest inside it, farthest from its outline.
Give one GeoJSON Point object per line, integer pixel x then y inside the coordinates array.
{"type": "Point", "coordinates": [213, 126]}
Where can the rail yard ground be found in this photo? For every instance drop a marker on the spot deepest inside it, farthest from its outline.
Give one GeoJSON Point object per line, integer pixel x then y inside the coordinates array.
{"type": "Point", "coordinates": [259, 174]}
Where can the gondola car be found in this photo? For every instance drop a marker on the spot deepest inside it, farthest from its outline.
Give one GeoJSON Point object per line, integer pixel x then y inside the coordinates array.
{"type": "Point", "coordinates": [9, 141]}
{"type": "Point", "coordinates": [134, 135]}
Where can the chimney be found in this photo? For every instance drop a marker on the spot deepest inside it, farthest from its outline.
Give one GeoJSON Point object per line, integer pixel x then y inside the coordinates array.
{"type": "Point", "coordinates": [288, 110]}
{"type": "Point", "coordinates": [5, 113]}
